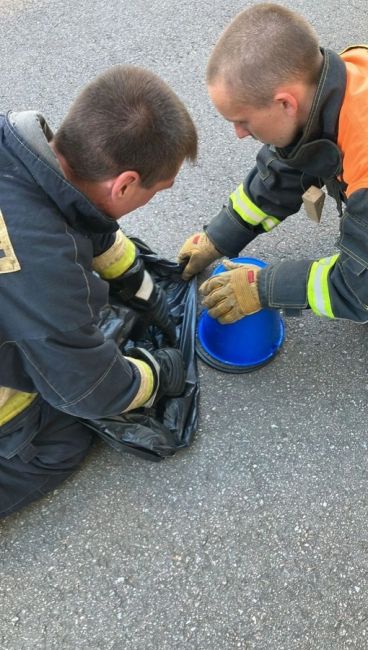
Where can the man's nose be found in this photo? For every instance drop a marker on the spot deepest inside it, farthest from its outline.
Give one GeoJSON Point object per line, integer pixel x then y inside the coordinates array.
{"type": "Point", "coordinates": [240, 131]}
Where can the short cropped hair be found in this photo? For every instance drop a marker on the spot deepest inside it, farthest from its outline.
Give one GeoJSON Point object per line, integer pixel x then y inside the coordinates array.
{"type": "Point", "coordinates": [127, 119]}
{"type": "Point", "coordinates": [264, 47]}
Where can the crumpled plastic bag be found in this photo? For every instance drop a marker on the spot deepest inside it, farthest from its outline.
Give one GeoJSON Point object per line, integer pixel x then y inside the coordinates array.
{"type": "Point", "coordinates": [160, 431]}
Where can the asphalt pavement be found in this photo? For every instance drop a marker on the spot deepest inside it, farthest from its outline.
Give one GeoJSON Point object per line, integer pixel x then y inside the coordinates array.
{"type": "Point", "coordinates": [256, 536]}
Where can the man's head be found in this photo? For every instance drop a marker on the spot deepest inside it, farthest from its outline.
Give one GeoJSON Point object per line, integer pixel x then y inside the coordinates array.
{"type": "Point", "coordinates": [263, 72]}
{"type": "Point", "coordinates": [125, 138]}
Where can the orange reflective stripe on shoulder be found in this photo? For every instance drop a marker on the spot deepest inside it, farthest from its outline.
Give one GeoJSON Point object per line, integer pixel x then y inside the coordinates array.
{"type": "Point", "coordinates": [353, 120]}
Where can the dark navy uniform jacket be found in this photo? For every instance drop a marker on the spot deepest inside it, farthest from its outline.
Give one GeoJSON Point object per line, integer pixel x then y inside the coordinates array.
{"type": "Point", "coordinates": [50, 344]}
{"type": "Point", "coordinates": [331, 151]}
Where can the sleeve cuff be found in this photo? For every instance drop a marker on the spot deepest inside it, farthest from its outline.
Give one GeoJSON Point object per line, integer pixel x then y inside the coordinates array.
{"type": "Point", "coordinates": [227, 234]}
{"type": "Point", "coordinates": [283, 285]}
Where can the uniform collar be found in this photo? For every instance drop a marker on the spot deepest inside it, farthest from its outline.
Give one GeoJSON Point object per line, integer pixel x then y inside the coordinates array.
{"type": "Point", "coordinates": [323, 118]}
{"type": "Point", "coordinates": [27, 134]}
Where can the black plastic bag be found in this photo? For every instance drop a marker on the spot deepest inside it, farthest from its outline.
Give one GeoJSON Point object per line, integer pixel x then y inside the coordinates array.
{"type": "Point", "coordinates": [159, 431]}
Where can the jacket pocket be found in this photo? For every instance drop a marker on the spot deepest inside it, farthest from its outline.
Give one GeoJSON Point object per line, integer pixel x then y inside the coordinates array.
{"type": "Point", "coordinates": [353, 239]}
{"type": "Point", "coordinates": [355, 274]}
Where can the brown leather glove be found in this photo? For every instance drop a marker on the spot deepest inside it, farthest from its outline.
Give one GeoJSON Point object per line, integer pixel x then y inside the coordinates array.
{"type": "Point", "coordinates": [197, 252]}
{"type": "Point", "coordinates": [232, 294]}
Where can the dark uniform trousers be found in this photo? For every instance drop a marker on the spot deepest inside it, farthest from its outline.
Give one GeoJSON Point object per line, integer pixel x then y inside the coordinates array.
{"type": "Point", "coordinates": [39, 449]}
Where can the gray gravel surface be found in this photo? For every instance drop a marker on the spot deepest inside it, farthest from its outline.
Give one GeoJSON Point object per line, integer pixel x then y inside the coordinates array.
{"type": "Point", "coordinates": [256, 537]}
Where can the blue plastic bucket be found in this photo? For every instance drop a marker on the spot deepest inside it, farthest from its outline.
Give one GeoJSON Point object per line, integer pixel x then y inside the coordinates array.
{"type": "Point", "coordinates": [245, 345]}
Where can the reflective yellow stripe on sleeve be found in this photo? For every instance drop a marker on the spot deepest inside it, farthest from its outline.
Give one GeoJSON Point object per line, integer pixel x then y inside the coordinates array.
{"type": "Point", "coordinates": [317, 287]}
{"type": "Point", "coordinates": [250, 212]}
{"type": "Point", "coordinates": [117, 259]}
{"type": "Point", "coordinates": [269, 223]}
{"type": "Point", "coordinates": [13, 402]}
{"type": "Point", "coordinates": [146, 387]}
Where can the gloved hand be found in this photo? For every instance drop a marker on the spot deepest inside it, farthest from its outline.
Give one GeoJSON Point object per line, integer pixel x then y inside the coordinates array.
{"type": "Point", "coordinates": [167, 365]}
{"type": "Point", "coordinates": [136, 289]}
{"type": "Point", "coordinates": [155, 309]}
{"type": "Point", "coordinates": [197, 252]}
{"type": "Point", "coordinates": [232, 294]}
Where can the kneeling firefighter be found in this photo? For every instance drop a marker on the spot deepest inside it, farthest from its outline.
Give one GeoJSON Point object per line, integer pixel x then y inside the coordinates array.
{"type": "Point", "coordinates": [62, 254]}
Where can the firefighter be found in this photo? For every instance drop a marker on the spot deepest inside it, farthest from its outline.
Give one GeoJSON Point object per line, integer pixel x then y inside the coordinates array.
{"type": "Point", "coordinates": [268, 76]}
{"type": "Point", "coordinates": [123, 140]}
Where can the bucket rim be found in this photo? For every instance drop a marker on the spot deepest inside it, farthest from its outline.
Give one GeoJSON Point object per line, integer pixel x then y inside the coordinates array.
{"type": "Point", "coordinates": [236, 368]}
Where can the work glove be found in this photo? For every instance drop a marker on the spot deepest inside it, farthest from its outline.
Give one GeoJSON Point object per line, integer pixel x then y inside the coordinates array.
{"type": "Point", "coordinates": [196, 253]}
{"type": "Point", "coordinates": [155, 309]}
{"type": "Point", "coordinates": [136, 289]}
{"type": "Point", "coordinates": [167, 365]}
{"type": "Point", "coordinates": [232, 294]}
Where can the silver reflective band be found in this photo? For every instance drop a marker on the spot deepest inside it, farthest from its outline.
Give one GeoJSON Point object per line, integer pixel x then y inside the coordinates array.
{"type": "Point", "coordinates": [146, 287]}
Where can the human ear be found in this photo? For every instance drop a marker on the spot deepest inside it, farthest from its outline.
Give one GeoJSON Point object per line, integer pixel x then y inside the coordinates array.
{"type": "Point", "coordinates": [123, 183]}
{"type": "Point", "coordinates": [288, 102]}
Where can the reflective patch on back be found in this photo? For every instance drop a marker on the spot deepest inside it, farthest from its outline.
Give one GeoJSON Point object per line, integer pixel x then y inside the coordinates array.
{"type": "Point", "coordinates": [8, 260]}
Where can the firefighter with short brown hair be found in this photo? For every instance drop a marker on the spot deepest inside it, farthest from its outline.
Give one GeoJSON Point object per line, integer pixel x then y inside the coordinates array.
{"type": "Point", "coordinates": [269, 77]}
